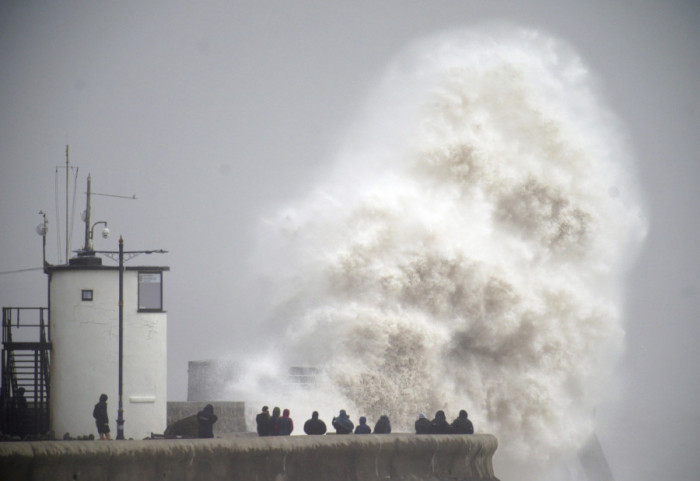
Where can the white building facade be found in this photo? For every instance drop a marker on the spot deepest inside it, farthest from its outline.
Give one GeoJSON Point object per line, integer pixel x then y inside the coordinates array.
{"type": "Point", "coordinates": [84, 316]}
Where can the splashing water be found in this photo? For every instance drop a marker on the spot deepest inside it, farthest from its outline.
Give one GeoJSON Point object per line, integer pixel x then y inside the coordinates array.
{"type": "Point", "coordinates": [469, 249]}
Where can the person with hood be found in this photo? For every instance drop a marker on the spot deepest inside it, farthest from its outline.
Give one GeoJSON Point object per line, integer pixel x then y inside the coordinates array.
{"type": "Point", "coordinates": [272, 429]}
{"type": "Point", "coordinates": [285, 424]}
{"type": "Point", "coordinates": [439, 424]}
{"type": "Point", "coordinates": [422, 424]}
{"type": "Point", "coordinates": [314, 425]}
{"type": "Point", "coordinates": [19, 408]}
{"type": "Point", "coordinates": [205, 422]}
{"type": "Point", "coordinates": [99, 412]}
{"type": "Point", "coordinates": [383, 426]}
{"type": "Point", "coordinates": [462, 425]}
{"type": "Point", "coordinates": [342, 423]}
{"type": "Point", "coordinates": [363, 428]}
{"type": "Point", "coordinates": [262, 422]}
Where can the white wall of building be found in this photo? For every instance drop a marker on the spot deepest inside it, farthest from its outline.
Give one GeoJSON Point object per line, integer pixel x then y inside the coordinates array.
{"type": "Point", "coordinates": [85, 347]}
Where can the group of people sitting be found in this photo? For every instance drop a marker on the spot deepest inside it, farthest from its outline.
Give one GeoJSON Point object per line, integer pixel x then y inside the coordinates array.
{"type": "Point", "coordinates": [439, 424]}
{"type": "Point", "coordinates": [282, 425]}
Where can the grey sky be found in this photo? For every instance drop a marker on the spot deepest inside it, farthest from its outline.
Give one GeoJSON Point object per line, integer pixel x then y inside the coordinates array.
{"type": "Point", "coordinates": [214, 113]}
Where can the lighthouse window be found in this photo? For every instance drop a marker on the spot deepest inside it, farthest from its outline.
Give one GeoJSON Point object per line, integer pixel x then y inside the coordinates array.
{"type": "Point", "coordinates": [87, 294]}
{"type": "Point", "coordinates": [150, 291]}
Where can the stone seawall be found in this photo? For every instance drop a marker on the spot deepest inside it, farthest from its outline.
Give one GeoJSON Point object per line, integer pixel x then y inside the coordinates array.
{"type": "Point", "coordinates": [404, 457]}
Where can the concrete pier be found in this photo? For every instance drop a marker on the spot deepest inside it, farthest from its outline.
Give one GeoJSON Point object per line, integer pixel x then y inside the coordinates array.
{"type": "Point", "coordinates": [404, 457]}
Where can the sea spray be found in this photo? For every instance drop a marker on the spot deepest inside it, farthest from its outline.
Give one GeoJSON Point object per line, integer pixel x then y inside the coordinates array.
{"type": "Point", "coordinates": [468, 250]}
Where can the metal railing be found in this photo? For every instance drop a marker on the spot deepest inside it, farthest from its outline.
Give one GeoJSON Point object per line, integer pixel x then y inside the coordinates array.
{"type": "Point", "coordinates": [26, 346]}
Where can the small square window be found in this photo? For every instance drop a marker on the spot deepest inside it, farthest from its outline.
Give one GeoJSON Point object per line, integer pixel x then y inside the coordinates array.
{"type": "Point", "coordinates": [87, 294]}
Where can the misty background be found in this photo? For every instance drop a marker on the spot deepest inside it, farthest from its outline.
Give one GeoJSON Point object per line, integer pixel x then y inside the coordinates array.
{"type": "Point", "coordinates": [216, 114]}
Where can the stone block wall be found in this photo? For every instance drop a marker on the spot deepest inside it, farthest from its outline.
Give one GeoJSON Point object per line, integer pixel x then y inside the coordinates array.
{"type": "Point", "coordinates": [400, 457]}
{"type": "Point", "coordinates": [231, 414]}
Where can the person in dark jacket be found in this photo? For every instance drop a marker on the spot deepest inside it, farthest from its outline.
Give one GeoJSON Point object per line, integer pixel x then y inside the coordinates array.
{"type": "Point", "coordinates": [342, 423]}
{"type": "Point", "coordinates": [285, 424]}
{"type": "Point", "coordinates": [99, 412]}
{"type": "Point", "coordinates": [362, 428]}
{"type": "Point", "coordinates": [439, 424]}
{"type": "Point", "coordinates": [18, 418]}
{"type": "Point", "coordinates": [462, 425]}
{"type": "Point", "coordinates": [272, 431]}
{"type": "Point", "coordinates": [314, 425]}
{"type": "Point", "coordinates": [205, 422]}
{"type": "Point", "coordinates": [262, 421]}
{"type": "Point", "coordinates": [19, 400]}
{"type": "Point", "coordinates": [383, 426]}
{"type": "Point", "coordinates": [422, 424]}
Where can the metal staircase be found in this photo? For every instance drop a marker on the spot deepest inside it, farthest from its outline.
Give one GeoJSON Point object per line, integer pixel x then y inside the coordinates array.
{"type": "Point", "coordinates": [26, 348]}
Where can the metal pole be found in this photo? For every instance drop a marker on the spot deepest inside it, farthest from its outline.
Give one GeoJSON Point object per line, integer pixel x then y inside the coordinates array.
{"type": "Point", "coordinates": [88, 244]}
{"type": "Point", "coordinates": [44, 231]}
{"type": "Point", "coordinates": [120, 412]}
{"type": "Point", "coordinates": [67, 214]}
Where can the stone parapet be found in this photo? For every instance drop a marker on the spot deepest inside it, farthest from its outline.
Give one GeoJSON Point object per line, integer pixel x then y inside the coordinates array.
{"type": "Point", "coordinates": [404, 457]}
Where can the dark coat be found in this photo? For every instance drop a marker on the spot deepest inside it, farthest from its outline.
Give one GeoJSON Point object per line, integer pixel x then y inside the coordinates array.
{"type": "Point", "coordinates": [315, 425]}
{"type": "Point", "coordinates": [262, 421]}
{"type": "Point", "coordinates": [422, 426]}
{"type": "Point", "coordinates": [20, 402]}
{"type": "Point", "coordinates": [383, 426]}
{"type": "Point", "coordinates": [342, 423]}
{"type": "Point", "coordinates": [99, 412]}
{"type": "Point", "coordinates": [439, 424]}
{"type": "Point", "coordinates": [362, 428]}
{"type": "Point", "coordinates": [272, 426]}
{"type": "Point", "coordinates": [462, 425]}
{"type": "Point", "coordinates": [205, 422]}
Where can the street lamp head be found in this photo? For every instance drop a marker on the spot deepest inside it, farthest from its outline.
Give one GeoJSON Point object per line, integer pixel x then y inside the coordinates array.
{"type": "Point", "coordinates": [42, 229]}
{"type": "Point", "coordinates": [105, 233]}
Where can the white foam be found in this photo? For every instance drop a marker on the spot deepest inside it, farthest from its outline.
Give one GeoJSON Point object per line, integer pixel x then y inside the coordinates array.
{"type": "Point", "coordinates": [469, 251]}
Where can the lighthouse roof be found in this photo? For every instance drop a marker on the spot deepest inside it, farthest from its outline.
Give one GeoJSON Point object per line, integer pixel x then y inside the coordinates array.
{"type": "Point", "coordinates": [78, 267]}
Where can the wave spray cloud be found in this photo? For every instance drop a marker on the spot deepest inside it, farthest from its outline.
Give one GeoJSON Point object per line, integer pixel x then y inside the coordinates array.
{"type": "Point", "coordinates": [467, 250]}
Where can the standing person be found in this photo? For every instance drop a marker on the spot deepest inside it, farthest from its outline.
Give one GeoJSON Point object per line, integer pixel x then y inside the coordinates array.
{"type": "Point", "coordinates": [19, 405]}
{"type": "Point", "coordinates": [272, 430]}
{"type": "Point", "coordinates": [383, 426]}
{"type": "Point", "coordinates": [99, 412]}
{"type": "Point", "coordinates": [205, 422]}
{"type": "Point", "coordinates": [362, 428]}
{"type": "Point", "coordinates": [285, 424]}
{"type": "Point", "coordinates": [422, 424]}
{"type": "Point", "coordinates": [314, 425]}
{"type": "Point", "coordinates": [20, 400]}
{"type": "Point", "coordinates": [439, 424]}
{"type": "Point", "coordinates": [342, 423]}
{"type": "Point", "coordinates": [462, 425]}
{"type": "Point", "coordinates": [262, 421]}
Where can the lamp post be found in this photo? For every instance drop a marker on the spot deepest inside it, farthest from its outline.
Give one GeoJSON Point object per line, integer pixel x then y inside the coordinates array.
{"type": "Point", "coordinates": [130, 254]}
{"type": "Point", "coordinates": [120, 411]}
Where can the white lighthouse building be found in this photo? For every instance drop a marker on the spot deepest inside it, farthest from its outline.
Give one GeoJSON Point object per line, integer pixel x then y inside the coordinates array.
{"type": "Point", "coordinates": [84, 311]}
